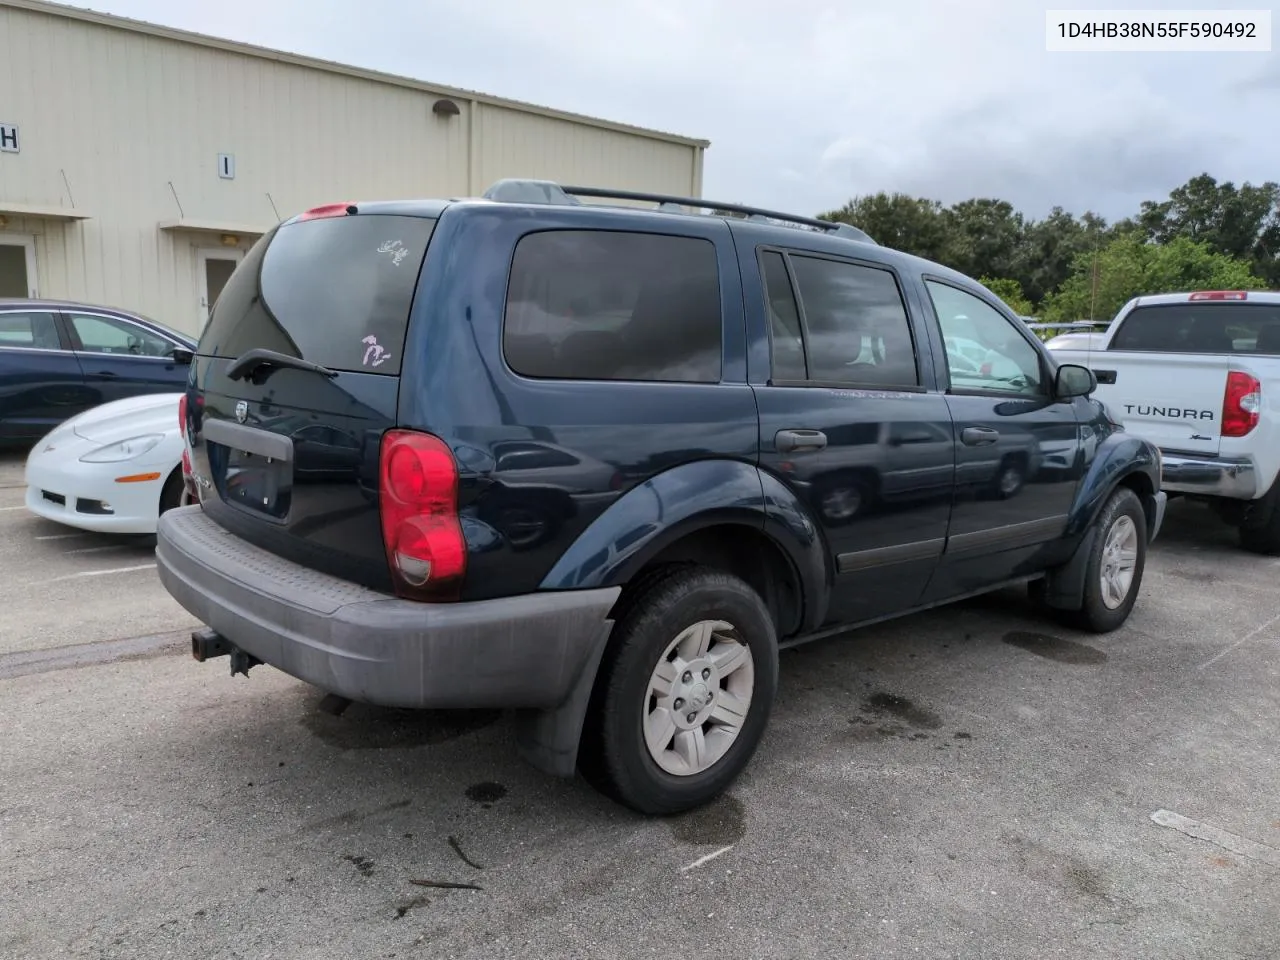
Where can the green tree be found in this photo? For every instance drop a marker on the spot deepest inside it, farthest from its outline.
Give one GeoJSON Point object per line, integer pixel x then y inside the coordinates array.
{"type": "Point", "coordinates": [911, 224]}
{"type": "Point", "coordinates": [1050, 246]}
{"type": "Point", "coordinates": [1101, 282]}
{"type": "Point", "coordinates": [1242, 222]}
{"type": "Point", "coordinates": [1010, 291]}
{"type": "Point", "coordinates": [983, 237]}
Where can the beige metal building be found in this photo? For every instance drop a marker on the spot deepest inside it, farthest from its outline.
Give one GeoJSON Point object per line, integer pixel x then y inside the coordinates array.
{"type": "Point", "coordinates": [138, 163]}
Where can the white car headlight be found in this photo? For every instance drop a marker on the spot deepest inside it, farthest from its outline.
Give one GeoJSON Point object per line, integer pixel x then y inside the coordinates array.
{"type": "Point", "coordinates": [124, 450]}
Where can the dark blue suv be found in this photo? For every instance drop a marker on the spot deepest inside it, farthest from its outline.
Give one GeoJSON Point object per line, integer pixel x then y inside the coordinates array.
{"type": "Point", "coordinates": [598, 463]}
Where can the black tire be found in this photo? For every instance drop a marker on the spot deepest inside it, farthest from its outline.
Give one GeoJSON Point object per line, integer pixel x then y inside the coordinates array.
{"type": "Point", "coordinates": [173, 493]}
{"type": "Point", "coordinates": [1260, 524]}
{"type": "Point", "coordinates": [1094, 615]}
{"type": "Point", "coordinates": [614, 756]}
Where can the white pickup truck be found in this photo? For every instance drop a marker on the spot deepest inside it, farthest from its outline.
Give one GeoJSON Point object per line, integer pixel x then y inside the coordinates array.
{"type": "Point", "coordinates": [1198, 374]}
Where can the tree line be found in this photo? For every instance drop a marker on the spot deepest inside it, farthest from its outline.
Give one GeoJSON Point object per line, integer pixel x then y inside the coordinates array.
{"type": "Point", "coordinates": [1205, 235]}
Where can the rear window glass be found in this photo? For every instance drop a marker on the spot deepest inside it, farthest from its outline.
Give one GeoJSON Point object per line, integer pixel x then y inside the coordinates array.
{"type": "Point", "coordinates": [1201, 328]}
{"type": "Point", "coordinates": [607, 305]}
{"type": "Point", "coordinates": [335, 291]}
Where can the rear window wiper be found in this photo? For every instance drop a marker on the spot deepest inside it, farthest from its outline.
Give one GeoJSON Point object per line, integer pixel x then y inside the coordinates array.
{"type": "Point", "coordinates": [244, 365]}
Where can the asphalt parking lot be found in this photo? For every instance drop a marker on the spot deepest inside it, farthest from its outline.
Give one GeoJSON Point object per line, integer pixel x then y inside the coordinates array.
{"type": "Point", "coordinates": [973, 782]}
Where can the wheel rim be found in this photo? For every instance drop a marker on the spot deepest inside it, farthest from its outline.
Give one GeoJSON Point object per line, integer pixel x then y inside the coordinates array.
{"type": "Point", "coordinates": [1010, 480]}
{"type": "Point", "coordinates": [1119, 561]}
{"type": "Point", "coordinates": [842, 503]}
{"type": "Point", "coordinates": [698, 698]}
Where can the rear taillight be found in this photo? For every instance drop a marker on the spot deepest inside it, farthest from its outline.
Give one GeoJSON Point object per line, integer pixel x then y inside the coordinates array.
{"type": "Point", "coordinates": [1241, 404]}
{"type": "Point", "coordinates": [418, 502]}
{"type": "Point", "coordinates": [328, 210]}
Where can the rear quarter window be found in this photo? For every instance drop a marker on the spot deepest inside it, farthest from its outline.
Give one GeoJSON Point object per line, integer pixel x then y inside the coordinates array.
{"type": "Point", "coordinates": [336, 291]}
{"type": "Point", "coordinates": [614, 305]}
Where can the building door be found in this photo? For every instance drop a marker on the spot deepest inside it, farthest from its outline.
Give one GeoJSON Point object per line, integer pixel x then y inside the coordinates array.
{"type": "Point", "coordinates": [17, 266]}
{"type": "Point", "coordinates": [215, 268]}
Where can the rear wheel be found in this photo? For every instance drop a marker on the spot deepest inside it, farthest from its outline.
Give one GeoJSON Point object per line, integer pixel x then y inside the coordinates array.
{"type": "Point", "coordinates": [684, 692]}
{"type": "Point", "coordinates": [1113, 575]}
{"type": "Point", "coordinates": [1260, 524]}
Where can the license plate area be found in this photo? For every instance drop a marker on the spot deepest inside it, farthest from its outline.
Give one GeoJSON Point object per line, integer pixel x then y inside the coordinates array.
{"type": "Point", "coordinates": [252, 468]}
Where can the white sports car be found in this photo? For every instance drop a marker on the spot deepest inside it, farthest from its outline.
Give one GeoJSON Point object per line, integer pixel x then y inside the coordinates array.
{"type": "Point", "coordinates": [112, 469]}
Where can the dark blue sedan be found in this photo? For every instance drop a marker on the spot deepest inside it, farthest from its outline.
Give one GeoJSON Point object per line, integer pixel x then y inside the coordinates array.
{"type": "Point", "coordinates": [58, 359]}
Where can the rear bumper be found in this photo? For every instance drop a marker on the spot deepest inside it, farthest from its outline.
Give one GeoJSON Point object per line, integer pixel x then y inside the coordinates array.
{"type": "Point", "coordinates": [366, 646]}
{"type": "Point", "coordinates": [1233, 479]}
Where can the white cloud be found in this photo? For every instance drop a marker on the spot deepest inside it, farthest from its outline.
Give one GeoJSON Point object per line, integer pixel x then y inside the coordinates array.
{"type": "Point", "coordinates": [812, 101]}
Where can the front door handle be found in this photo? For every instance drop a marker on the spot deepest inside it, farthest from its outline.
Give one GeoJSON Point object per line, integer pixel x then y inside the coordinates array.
{"type": "Point", "coordinates": [1105, 376]}
{"type": "Point", "coordinates": [978, 436]}
{"type": "Point", "coordinates": [109, 374]}
{"type": "Point", "coordinates": [791, 441]}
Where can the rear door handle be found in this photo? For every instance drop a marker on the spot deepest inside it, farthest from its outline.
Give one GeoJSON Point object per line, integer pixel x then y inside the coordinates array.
{"type": "Point", "coordinates": [1105, 376]}
{"type": "Point", "coordinates": [790, 441]}
{"type": "Point", "coordinates": [978, 436]}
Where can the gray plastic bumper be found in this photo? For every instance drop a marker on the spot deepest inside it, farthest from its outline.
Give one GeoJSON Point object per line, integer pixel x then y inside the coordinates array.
{"type": "Point", "coordinates": [525, 651]}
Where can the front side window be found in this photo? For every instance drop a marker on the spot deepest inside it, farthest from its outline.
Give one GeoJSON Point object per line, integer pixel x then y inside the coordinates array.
{"type": "Point", "coordinates": [852, 325]}
{"type": "Point", "coordinates": [113, 335]}
{"type": "Point", "coordinates": [985, 351]}
{"type": "Point", "coordinates": [609, 305]}
{"type": "Point", "coordinates": [29, 330]}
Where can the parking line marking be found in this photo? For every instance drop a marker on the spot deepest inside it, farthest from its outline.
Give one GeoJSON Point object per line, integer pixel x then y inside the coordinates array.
{"type": "Point", "coordinates": [1240, 643]}
{"type": "Point", "coordinates": [103, 573]}
{"type": "Point", "coordinates": [709, 857]}
{"type": "Point", "coordinates": [1235, 843]}
{"type": "Point", "coordinates": [61, 536]}
{"type": "Point", "coordinates": [109, 546]}
{"type": "Point", "coordinates": [21, 506]}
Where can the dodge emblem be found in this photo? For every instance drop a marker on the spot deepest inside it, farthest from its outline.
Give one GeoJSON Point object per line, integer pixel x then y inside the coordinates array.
{"type": "Point", "coordinates": [242, 411]}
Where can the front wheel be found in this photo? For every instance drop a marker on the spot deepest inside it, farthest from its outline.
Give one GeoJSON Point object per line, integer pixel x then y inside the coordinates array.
{"type": "Point", "coordinates": [684, 692]}
{"type": "Point", "coordinates": [1113, 575]}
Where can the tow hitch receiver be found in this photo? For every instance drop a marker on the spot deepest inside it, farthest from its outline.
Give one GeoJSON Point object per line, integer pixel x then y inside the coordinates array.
{"type": "Point", "coordinates": [207, 644]}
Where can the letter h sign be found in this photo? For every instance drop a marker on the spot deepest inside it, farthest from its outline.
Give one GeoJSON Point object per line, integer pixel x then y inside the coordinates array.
{"type": "Point", "coordinates": [8, 138]}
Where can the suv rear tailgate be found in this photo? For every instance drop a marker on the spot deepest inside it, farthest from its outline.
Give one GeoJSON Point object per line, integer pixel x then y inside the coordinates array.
{"type": "Point", "coordinates": [1175, 401]}
{"type": "Point", "coordinates": [287, 457]}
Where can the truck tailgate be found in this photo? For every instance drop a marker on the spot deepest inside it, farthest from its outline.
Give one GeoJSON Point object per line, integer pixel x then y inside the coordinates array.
{"type": "Point", "coordinates": [1173, 400]}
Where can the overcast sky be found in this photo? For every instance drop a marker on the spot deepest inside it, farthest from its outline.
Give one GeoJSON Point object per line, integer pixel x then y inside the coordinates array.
{"type": "Point", "coordinates": [809, 102]}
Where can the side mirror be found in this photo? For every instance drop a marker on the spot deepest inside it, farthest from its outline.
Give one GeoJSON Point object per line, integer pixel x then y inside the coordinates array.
{"type": "Point", "coordinates": [182, 355]}
{"type": "Point", "coordinates": [1073, 380]}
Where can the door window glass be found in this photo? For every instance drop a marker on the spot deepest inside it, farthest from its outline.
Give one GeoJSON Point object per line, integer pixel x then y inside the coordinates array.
{"type": "Point", "coordinates": [116, 336]}
{"type": "Point", "coordinates": [855, 324]}
{"type": "Point", "coordinates": [985, 351]}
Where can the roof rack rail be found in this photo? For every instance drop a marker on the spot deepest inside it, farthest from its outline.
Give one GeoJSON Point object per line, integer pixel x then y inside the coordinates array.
{"type": "Point", "coordinates": [694, 203]}
{"type": "Point", "coordinates": [546, 191]}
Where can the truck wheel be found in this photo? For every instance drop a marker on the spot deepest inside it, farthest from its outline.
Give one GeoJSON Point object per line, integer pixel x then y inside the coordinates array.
{"type": "Point", "coordinates": [684, 692]}
{"type": "Point", "coordinates": [1260, 525]}
{"type": "Point", "coordinates": [1113, 575]}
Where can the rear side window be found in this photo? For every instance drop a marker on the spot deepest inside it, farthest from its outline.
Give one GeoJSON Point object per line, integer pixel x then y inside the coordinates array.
{"type": "Point", "coordinates": [33, 331]}
{"type": "Point", "coordinates": [1201, 328]}
{"type": "Point", "coordinates": [609, 305]}
{"type": "Point", "coordinates": [336, 291]}
{"type": "Point", "coordinates": [851, 325]}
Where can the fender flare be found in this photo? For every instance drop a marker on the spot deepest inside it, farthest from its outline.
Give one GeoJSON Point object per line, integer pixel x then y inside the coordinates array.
{"type": "Point", "coordinates": [682, 500]}
{"type": "Point", "coordinates": [1119, 457]}
{"type": "Point", "coordinates": [636, 528]}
